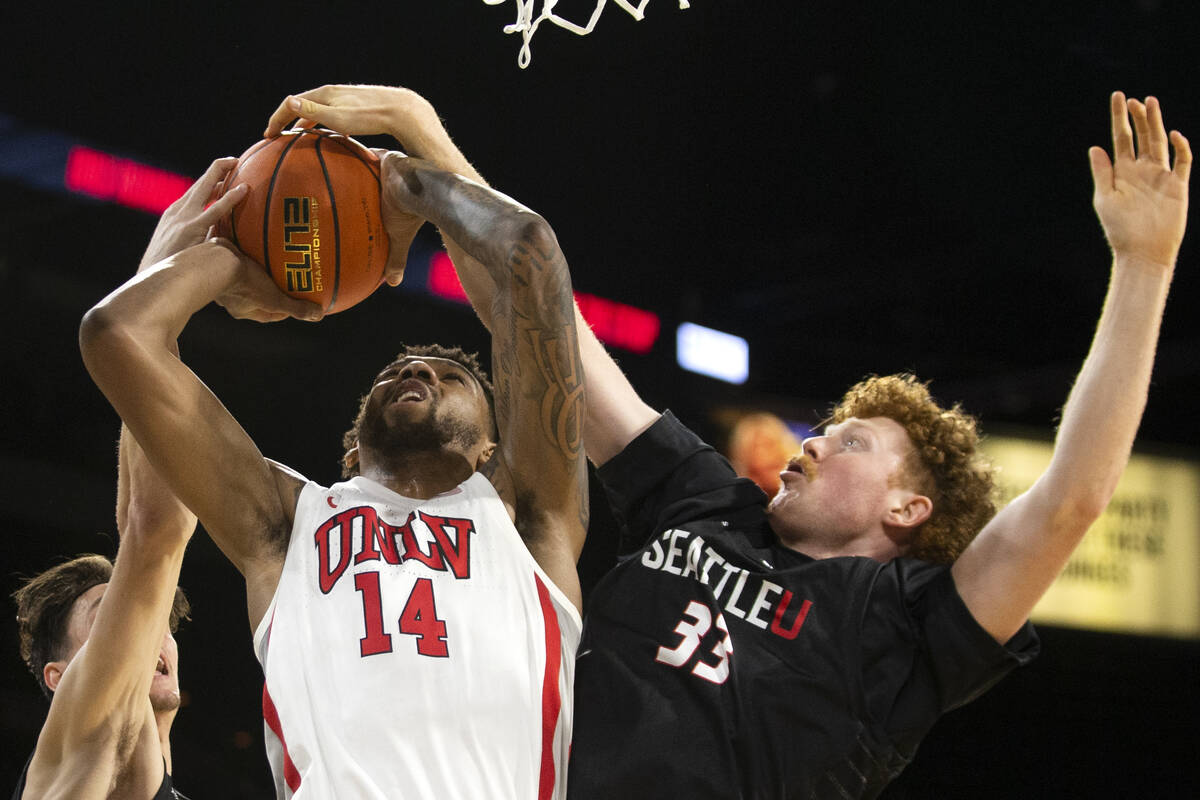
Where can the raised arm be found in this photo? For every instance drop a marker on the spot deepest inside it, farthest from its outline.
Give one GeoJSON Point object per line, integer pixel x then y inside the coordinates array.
{"type": "Point", "coordinates": [101, 710]}
{"type": "Point", "coordinates": [539, 469]}
{"type": "Point", "coordinates": [100, 714]}
{"type": "Point", "coordinates": [128, 346]}
{"type": "Point", "coordinates": [615, 412]}
{"type": "Point", "coordinates": [1142, 204]}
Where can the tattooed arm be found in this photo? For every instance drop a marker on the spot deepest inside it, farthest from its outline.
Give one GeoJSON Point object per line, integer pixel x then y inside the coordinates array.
{"type": "Point", "coordinates": [615, 412]}
{"type": "Point", "coordinates": [539, 470]}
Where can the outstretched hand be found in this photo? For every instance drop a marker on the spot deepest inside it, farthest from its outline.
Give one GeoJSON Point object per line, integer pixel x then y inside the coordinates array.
{"type": "Point", "coordinates": [1141, 201]}
{"type": "Point", "coordinates": [361, 111]}
{"type": "Point", "coordinates": [186, 221]}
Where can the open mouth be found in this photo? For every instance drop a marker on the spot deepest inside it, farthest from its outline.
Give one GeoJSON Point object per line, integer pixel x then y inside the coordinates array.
{"type": "Point", "coordinates": [411, 390]}
{"type": "Point", "coordinates": [802, 465]}
{"type": "Point", "coordinates": [161, 666]}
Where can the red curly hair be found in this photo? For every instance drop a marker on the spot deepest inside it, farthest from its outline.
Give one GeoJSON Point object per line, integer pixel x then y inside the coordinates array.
{"type": "Point", "coordinates": [944, 463]}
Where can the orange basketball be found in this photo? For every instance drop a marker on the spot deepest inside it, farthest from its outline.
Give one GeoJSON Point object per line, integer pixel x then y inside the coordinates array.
{"type": "Point", "coordinates": [311, 216]}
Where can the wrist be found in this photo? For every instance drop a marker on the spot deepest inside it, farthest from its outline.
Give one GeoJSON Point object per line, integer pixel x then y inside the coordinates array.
{"type": "Point", "coordinates": [1156, 265]}
{"type": "Point", "coordinates": [192, 278]}
{"type": "Point", "coordinates": [416, 126]}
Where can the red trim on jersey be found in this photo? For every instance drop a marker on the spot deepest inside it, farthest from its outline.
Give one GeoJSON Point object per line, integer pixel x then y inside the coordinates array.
{"type": "Point", "coordinates": [551, 701]}
{"type": "Point", "coordinates": [290, 774]}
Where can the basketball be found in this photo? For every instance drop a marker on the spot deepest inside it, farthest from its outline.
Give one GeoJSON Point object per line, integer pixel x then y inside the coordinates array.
{"type": "Point", "coordinates": [312, 217]}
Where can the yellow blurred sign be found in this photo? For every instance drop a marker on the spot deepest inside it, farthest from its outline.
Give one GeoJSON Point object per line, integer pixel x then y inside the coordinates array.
{"type": "Point", "coordinates": [1138, 568]}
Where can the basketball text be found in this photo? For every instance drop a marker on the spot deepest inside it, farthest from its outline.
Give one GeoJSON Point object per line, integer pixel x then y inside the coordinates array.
{"type": "Point", "coordinates": [302, 243]}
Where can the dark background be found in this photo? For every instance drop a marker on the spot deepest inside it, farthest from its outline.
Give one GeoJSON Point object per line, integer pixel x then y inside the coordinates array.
{"type": "Point", "coordinates": [854, 187]}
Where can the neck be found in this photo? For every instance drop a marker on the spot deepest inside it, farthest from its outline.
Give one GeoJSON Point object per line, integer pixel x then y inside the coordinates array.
{"type": "Point", "coordinates": [874, 545]}
{"type": "Point", "coordinates": [420, 475]}
{"type": "Point", "coordinates": [163, 720]}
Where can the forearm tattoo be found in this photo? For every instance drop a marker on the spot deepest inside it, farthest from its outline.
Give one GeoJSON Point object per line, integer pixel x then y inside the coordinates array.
{"type": "Point", "coordinates": [537, 370]}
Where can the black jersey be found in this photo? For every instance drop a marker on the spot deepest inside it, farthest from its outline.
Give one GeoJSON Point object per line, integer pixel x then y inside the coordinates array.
{"type": "Point", "coordinates": [717, 663]}
{"type": "Point", "coordinates": [165, 790]}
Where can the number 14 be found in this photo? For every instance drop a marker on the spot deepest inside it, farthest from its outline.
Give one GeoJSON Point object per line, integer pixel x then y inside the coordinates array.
{"type": "Point", "coordinates": [419, 618]}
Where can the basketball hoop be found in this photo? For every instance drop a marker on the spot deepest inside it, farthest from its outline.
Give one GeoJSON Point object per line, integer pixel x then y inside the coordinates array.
{"type": "Point", "coordinates": [526, 25]}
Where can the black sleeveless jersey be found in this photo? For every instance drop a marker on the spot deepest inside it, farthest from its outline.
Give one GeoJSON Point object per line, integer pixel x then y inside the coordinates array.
{"type": "Point", "coordinates": [165, 790]}
{"type": "Point", "coordinates": [717, 663]}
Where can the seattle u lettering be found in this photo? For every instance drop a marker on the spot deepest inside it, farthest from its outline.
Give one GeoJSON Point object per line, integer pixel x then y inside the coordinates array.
{"type": "Point", "coordinates": [741, 593]}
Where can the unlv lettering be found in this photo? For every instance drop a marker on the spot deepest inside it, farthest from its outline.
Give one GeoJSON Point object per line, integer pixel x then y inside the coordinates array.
{"type": "Point", "coordinates": [440, 543]}
{"type": "Point", "coordinates": [458, 549]}
{"type": "Point", "coordinates": [339, 525]}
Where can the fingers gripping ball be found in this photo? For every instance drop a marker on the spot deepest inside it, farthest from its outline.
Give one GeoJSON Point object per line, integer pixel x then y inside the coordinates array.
{"type": "Point", "coordinates": [312, 216]}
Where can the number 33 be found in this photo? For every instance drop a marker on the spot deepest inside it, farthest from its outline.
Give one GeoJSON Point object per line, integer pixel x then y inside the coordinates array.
{"type": "Point", "coordinates": [690, 635]}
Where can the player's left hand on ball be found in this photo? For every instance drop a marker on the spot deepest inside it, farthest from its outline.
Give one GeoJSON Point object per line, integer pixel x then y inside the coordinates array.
{"type": "Point", "coordinates": [186, 221]}
{"type": "Point", "coordinates": [352, 110]}
{"type": "Point", "coordinates": [401, 225]}
{"type": "Point", "coordinates": [255, 296]}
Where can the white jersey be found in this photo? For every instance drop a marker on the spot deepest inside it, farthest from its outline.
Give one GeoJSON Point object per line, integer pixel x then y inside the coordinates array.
{"type": "Point", "coordinates": [415, 649]}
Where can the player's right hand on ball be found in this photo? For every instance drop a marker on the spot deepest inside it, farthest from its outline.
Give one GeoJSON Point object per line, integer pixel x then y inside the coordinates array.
{"type": "Point", "coordinates": [254, 296]}
{"type": "Point", "coordinates": [401, 224]}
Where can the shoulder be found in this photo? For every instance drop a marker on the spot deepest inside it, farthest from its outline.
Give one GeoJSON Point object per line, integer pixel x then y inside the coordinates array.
{"type": "Point", "coordinates": [21, 780]}
{"type": "Point", "coordinates": [497, 473]}
{"type": "Point", "coordinates": [923, 599]}
{"type": "Point", "coordinates": [283, 472]}
{"type": "Point", "coordinates": [289, 483]}
{"type": "Point", "coordinates": [669, 455]}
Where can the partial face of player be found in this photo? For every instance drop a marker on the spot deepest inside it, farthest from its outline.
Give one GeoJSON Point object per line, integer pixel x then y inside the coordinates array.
{"type": "Point", "coordinates": [425, 403]}
{"type": "Point", "coordinates": [164, 686]}
{"type": "Point", "coordinates": [845, 494]}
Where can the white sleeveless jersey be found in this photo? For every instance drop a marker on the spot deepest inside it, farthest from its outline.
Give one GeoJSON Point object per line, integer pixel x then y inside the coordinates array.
{"type": "Point", "coordinates": [414, 649]}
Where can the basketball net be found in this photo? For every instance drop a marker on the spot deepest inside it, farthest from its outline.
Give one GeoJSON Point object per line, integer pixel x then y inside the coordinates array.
{"type": "Point", "coordinates": [526, 25]}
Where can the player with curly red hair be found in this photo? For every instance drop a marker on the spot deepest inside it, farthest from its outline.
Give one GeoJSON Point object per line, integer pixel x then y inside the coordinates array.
{"type": "Point", "coordinates": [802, 648]}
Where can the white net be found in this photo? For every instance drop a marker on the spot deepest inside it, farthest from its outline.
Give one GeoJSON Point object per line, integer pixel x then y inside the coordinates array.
{"type": "Point", "coordinates": [526, 25]}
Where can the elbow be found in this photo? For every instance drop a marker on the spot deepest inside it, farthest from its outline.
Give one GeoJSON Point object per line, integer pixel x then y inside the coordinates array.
{"type": "Point", "coordinates": [525, 234]}
{"type": "Point", "coordinates": [1078, 508]}
{"type": "Point", "coordinates": [1080, 497]}
{"type": "Point", "coordinates": [102, 336]}
{"type": "Point", "coordinates": [162, 526]}
{"type": "Point", "coordinates": [531, 229]}
{"type": "Point", "coordinates": [96, 333]}
{"type": "Point", "coordinates": [534, 256]}
{"type": "Point", "coordinates": [1088, 506]}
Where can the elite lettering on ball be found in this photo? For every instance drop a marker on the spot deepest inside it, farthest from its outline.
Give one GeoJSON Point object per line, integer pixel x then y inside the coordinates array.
{"type": "Point", "coordinates": [312, 216]}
